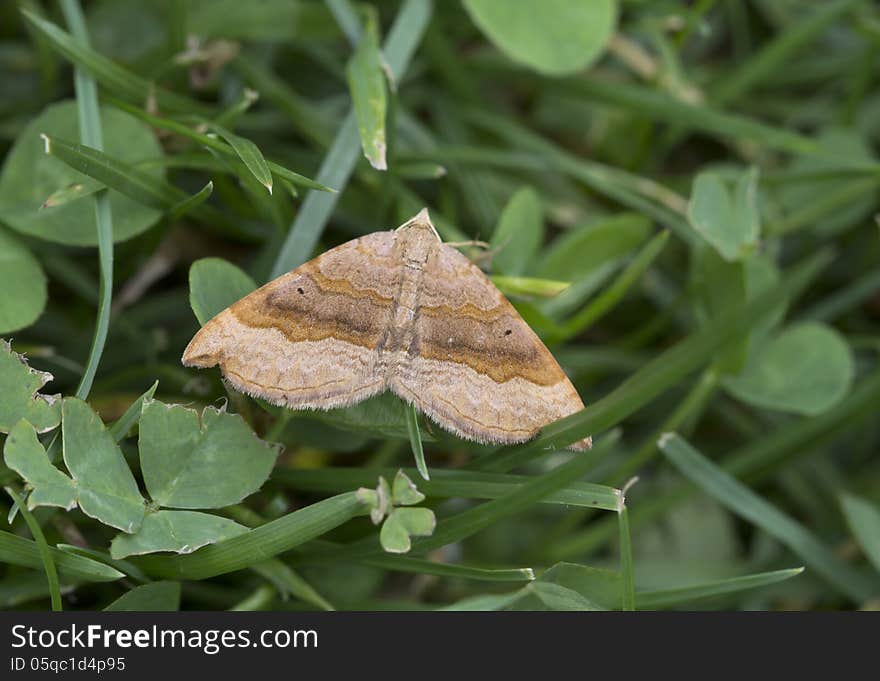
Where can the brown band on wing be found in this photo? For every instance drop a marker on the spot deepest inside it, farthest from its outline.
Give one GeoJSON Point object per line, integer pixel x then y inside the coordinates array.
{"type": "Point", "coordinates": [497, 344]}
{"type": "Point", "coordinates": [313, 307]}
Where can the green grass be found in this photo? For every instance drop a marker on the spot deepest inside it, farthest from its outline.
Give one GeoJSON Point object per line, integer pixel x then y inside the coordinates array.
{"type": "Point", "coordinates": [686, 215]}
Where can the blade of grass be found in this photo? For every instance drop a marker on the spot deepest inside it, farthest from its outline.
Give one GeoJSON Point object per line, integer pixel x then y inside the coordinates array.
{"type": "Point", "coordinates": [447, 484]}
{"type": "Point", "coordinates": [415, 441]}
{"type": "Point", "coordinates": [132, 415]}
{"type": "Point", "coordinates": [43, 548]}
{"type": "Point", "coordinates": [633, 191]}
{"type": "Point", "coordinates": [215, 144]}
{"type": "Point", "coordinates": [467, 523]}
{"type": "Point", "coordinates": [398, 563]}
{"type": "Point", "coordinates": [122, 566]}
{"type": "Point", "coordinates": [614, 293]}
{"type": "Point", "coordinates": [91, 135]}
{"type": "Point", "coordinates": [628, 597]}
{"type": "Point", "coordinates": [135, 184]}
{"type": "Point", "coordinates": [249, 153]}
{"type": "Point", "coordinates": [338, 165]}
{"type": "Point", "coordinates": [529, 286]}
{"type": "Point", "coordinates": [777, 52]}
{"type": "Point", "coordinates": [664, 107]}
{"type": "Point", "coordinates": [752, 462]}
{"type": "Point", "coordinates": [742, 501]}
{"type": "Point", "coordinates": [844, 299]}
{"type": "Point", "coordinates": [258, 544]}
{"type": "Point", "coordinates": [191, 203]}
{"type": "Point", "coordinates": [286, 580]}
{"type": "Point", "coordinates": [863, 519]}
{"type": "Point", "coordinates": [366, 83]}
{"type": "Point", "coordinates": [346, 16]}
{"type": "Point", "coordinates": [426, 567]}
{"type": "Point", "coordinates": [666, 598]}
{"type": "Point", "coordinates": [17, 550]}
{"type": "Point", "coordinates": [655, 377]}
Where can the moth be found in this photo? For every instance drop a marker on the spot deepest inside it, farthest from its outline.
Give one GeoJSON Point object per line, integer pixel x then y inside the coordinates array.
{"type": "Point", "coordinates": [397, 310]}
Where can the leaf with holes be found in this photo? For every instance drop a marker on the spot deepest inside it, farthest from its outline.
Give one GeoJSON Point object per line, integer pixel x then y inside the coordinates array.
{"type": "Point", "coordinates": [177, 531]}
{"type": "Point", "coordinates": [19, 396]}
{"type": "Point", "coordinates": [210, 461]}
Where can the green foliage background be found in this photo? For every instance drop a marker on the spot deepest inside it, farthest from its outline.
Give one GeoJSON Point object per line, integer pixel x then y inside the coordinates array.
{"type": "Point", "coordinates": [679, 197]}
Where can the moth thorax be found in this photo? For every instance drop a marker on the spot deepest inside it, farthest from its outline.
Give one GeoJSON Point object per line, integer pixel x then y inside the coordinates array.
{"type": "Point", "coordinates": [418, 243]}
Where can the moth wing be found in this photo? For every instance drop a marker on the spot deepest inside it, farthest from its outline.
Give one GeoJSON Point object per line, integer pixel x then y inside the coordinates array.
{"type": "Point", "coordinates": [309, 338]}
{"type": "Point", "coordinates": [475, 366]}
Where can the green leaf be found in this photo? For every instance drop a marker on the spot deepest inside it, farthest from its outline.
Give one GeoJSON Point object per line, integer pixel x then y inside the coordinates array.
{"type": "Point", "coordinates": [366, 82]}
{"type": "Point", "coordinates": [587, 254]}
{"type": "Point", "coordinates": [19, 396]}
{"type": "Point", "coordinates": [29, 175]}
{"type": "Point", "coordinates": [404, 523]}
{"type": "Point", "coordinates": [519, 233]}
{"type": "Point", "coordinates": [188, 462]}
{"type": "Point", "coordinates": [554, 37]}
{"type": "Point", "coordinates": [863, 519]}
{"type": "Point", "coordinates": [678, 596]}
{"type": "Point", "coordinates": [177, 531]}
{"type": "Point", "coordinates": [214, 284]}
{"type": "Point", "coordinates": [24, 454]}
{"type": "Point", "coordinates": [404, 491]}
{"type": "Point", "coordinates": [806, 369]}
{"type": "Point", "coordinates": [22, 285]}
{"type": "Point", "coordinates": [106, 489]}
{"type": "Point", "coordinates": [153, 597]}
{"type": "Point", "coordinates": [729, 221]}
{"type": "Point", "coordinates": [249, 153]}
{"type": "Point", "coordinates": [742, 501]}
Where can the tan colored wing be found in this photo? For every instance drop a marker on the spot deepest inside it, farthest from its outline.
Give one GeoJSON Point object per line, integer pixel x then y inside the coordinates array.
{"type": "Point", "coordinates": [309, 338]}
{"type": "Point", "coordinates": [475, 367]}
